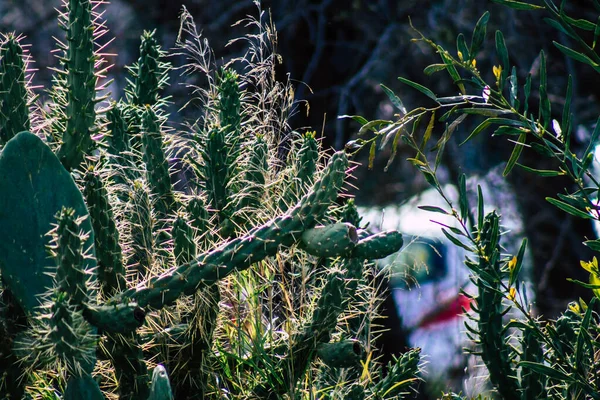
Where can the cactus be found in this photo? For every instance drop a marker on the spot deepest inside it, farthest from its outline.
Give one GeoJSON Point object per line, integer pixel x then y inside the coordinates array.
{"type": "Point", "coordinates": [80, 82]}
{"type": "Point", "coordinates": [200, 283]}
{"type": "Point", "coordinates": [34, 187]}
{"type": "Point", "coordinates": [14, 96]}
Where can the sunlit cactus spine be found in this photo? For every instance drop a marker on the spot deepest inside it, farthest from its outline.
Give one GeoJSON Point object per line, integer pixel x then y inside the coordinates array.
{"type": "Point", "coordinates": [80, 83]}
{"type": "Point", "coordinates": [14, 96]}
{"type": "Point", "coordinates": [256, 173]}
{"type": "Point", "coordinates": [111, 270]}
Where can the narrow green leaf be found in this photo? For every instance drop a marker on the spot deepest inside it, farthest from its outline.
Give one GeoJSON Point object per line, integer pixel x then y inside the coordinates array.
{"type": "Point", "coordinates": [566, 115]}
{"type": "Point", "coordinates": [596, 32]}
{"type": "Point", "coordinates": [575, 55]}
{"type": "Point", "coordinates": [372, 154]}
{"type": "Point", "coordinates": [518, 5]}
{"type": "Point", "coordinates": [493, 121]}
{"type": "Point", "coordinates": [502, 51]}
{"type": "Point", "coordinates": [434, 209]}
{"type": "Point", "coordinates": [357, 118]}
{"type": "Point", "coordinates": [420, 88]}
{"type": "Point", "coordinates": [541, 172]}
{"type": "Point", "coordinates": [372, 126]}
{"type": "Point", "coordinates": [486, 112]}
{"type": "Point", "coordinates": [544, 110]}
{"type": "Point", "coordinates": [568, 208]}
{"type": "Point", "coordinates": [480, 207]}
{"type": "Point", "coordinates": [508, 131]}
{"type": "Point", "coordinates": [546, 370]}
{"type": "Point", "coordinates": [583, 338]}
{"type": "Point", "coordinates": [393, 98]}
{"type": "Point", "coordinates": [462, 196]}
{"type": "Point", "coordinates": [559, 26]}
{"type": "Point", "coordinates": [514, 273]}
{"type": "Point", "coordinates": [583, 284]}
{"type": "Point", "coordinates": [461, 46]}
{"type": "Point", "coordinates": [580, 23]}
{"type": "Point", "coordinates": [527, 92]}
{"type": "Point", "coordinates": [455, 241]}
{"type": "Point", "coordinates": [452, 71]}
{"type": "Point", "coordinates": [433, 68]}
{"type": "Point", "coordinates": [428, 130]}
{"type": "Point", "coordinates": [516, 153]}
{"type": "Point", "coordinates": [478, 35]}
{"type": "Point", "coordinates": [593, 244]}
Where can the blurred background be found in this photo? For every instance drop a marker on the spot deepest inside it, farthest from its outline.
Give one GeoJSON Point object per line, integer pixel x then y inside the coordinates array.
{"type": "Point", "coordinates": [337, 52]}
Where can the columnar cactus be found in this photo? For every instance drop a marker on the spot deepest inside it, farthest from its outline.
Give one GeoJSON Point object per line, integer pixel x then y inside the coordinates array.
{"type": "Point", "coordinates": [14, 96]}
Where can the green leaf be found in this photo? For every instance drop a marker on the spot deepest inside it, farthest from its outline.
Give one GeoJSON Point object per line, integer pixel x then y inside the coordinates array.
{"type": "Point", "coordinates": [502, 51]}
{"type": "Point", "coordinates": [579, 23]}
{"type": "Point", "coordinates": [583, 337]}
{"type": "Point", "coordinates": [544, 110]}
{"type": "Point", "coordinates": [527, 92]}
{"type": "Point", "coordinates": [372, 154]}
{"type": "Point", "coordinates": [462, 196]}
{"type": "Point", "coordinates": [486, 112]}
{"type": "Point", "coordinates": [576, 55]}
{"type": "Point", "coordinates": [478, 35]}
{"type": "Point", "coordinates": [508, 131]}
{"type": "Point", "coordinates": [480, 207]}
{"type": "Point", "coordinates": [357, 118]}
{"type": "Point", "coordinates": [566, 116]}
{"type": "Point", "coordinates": [568, 208]}
{"type": "Point", "coordinates": [461, 46]}
{"type": "Point", "coordinates": [433, 68]}
{"type": "Point", "coordinates": [596, 32]}
{"type": "Point", "coordinates": [493, 121]}
{"type": "Point", "coordinates": [541, 172]}
{"type": "Point", "coordinates": [514, 273]}
{"type": "Point", "coordinates": [452, 70]}
{"type": "Point", "coordinates": [516, 153]}
{"type": "Point", "coordinates": [372, 126]}
{"type": "Point", "coordinates": [434, 209]}
{"type": "Point", "coordinates": [546, 370]}
{"type": "Point", "coordinates": [393, 98]}
{"type": "Point", "coordinates": [518, 5]}
{"type": "Point", "coordinates": [455, 241]}
{"type": "Point", "coordinates": [558, 26]}
{"type": "Point", "coordinates": [420, 88]}
{"type": "Point", "coordinates": [593, 244]}
{"type": "Point", "coordinates": [428, 130]}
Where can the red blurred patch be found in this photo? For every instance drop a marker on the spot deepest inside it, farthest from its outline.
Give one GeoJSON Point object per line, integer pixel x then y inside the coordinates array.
{"type": "Point", "coordinates": [446, 311]}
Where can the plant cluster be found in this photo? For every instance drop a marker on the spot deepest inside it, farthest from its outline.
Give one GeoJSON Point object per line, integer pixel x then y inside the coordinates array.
{"type": "Point", "coordinates": [529, 357]}
{"type": "Point", "coordinates": [212, 255]}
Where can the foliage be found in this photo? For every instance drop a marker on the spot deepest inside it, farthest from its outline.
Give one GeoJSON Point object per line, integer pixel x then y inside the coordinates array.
{"type": "Point", "coordinates": [526, 358]}
{"type": "Point", "coordinates": [228, 267]}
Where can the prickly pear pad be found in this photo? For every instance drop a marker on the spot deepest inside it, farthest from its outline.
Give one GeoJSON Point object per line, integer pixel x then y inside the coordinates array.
{"type": "Point", "coordinates": [34, 187]}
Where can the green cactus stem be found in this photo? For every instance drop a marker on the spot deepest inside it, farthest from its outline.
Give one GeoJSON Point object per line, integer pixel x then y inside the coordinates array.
{"type": "Point", "coordinates": [308, 155]}
{"type": "Point", "coordinates": [344, 354]}
{"type": "Point", "coordinates": [533, 384]}
{"type": "Point", "coordinates": [229, 103]}
{"type": "Point", "coordinates": [14, 96]}
{"type": "Point", "coordinates": [329, 241]}
{"type": "Point", "coordinates": [111, 271]}
{"type": "Point", "coordinates": [71, 278]}
{"type": "Point", "coordinates": [401, 374]}
{"type": "Point", "coordinates": [240, 253]}
{"type": "Point", "coordinates": [184, 247]}
{"type": "Point", "coordinates": [130, 367]}
{"type": "Point", "coordinates": [34, 187]}
{"type": "Point", "coordinates": [149, 74]}
{"type": "Point", "coordinates": [13, 322]}
{"type": "Point", "coordinates": [161, 387]}
{"type": "Point", "coordinates": [379, 245]}
{"type": "Point", "coordinates": [82, 387]}
{"type": "Point", "coordinates": [157, 167]}
{"type": "Point", "coordinates": [495, 351]}
{"type": "Point", "coordinates": [198, 214]}
{"type": "Point", "coordinates": [115, 318]}
{"type": "Point", "coordinates": [79, 63]}
{"type": "Point", "coordinates": [141, 253]}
